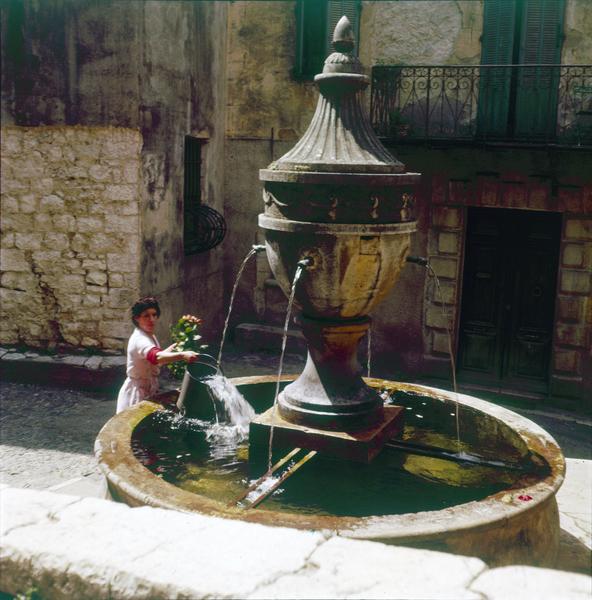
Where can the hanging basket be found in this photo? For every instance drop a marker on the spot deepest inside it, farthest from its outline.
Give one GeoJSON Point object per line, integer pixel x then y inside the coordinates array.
{"type": "Point", "coordinates": [205, 228]}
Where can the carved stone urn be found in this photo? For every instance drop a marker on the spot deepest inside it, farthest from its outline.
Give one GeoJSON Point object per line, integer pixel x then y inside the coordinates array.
{"type": "Point", "coordinates": [340, 200]}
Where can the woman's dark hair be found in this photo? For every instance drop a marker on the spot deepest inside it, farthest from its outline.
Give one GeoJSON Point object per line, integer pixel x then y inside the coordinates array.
{"type": "Point", "coordinates": [142, 304]}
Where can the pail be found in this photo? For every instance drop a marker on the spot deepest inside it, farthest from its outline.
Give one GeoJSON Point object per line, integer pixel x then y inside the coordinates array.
{"type": "Point", "coordinates": [195, 398]}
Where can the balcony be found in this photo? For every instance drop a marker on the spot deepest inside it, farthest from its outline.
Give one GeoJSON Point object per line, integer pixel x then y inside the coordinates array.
{"type": "Point", "coordinates": [506, 104]}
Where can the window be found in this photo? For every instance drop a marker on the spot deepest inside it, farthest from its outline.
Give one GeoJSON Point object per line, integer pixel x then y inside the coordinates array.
{"type": "Point", "coordinates": [315, 22]}
{"type": "Point", "coordinates": [520, 101]}
{"type": "Point", "coordinates": [191, 194]}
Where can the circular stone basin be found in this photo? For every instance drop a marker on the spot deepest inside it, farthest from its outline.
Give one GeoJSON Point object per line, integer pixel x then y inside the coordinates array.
{"type": "Point", "coordinates": [512, 520]}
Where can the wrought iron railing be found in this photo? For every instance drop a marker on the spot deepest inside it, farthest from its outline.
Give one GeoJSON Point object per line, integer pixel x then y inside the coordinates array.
{"type": "Point", "coordinates": [522, 103]}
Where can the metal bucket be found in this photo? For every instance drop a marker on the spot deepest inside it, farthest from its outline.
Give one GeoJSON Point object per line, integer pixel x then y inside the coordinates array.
{"type": "Point", "coordinates": [195, 398]}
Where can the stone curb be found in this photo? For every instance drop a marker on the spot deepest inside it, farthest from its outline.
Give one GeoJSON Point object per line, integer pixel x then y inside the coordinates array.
{"type": "Point", "coordinates": [155, 553]}
{"type": "Point", "coordinates": [91, 372]}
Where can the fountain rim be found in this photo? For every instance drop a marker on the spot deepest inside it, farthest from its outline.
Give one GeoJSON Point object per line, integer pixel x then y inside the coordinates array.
{"type": "Point", "coordinates": [370, 178]}
{"type": "Point", "coordinates": [141, 487]}
{"type": "Point", "coordinates": [321, 227]}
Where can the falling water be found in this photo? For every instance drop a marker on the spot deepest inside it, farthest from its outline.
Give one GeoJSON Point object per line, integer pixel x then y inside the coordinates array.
{"type": "Point", "coordinates": [299, 270]}
{"type": "Point", "coordinates": [252, 252]}
{"type": "Point", "coordinates": [369, 351]}
{"type": "Point", "coordinates": [450, 352]}
{"type": "Point", "coordinates": [238, 411]}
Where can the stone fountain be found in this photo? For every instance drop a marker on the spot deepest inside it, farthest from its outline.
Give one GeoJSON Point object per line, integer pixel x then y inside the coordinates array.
{"type": "Point", "coordinates": [341, 204]}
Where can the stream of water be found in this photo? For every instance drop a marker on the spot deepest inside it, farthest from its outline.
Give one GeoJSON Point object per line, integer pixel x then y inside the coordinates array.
{"type": "Point", "coordinates": [252, 252]}
{"type": "Point", "coordinates": [299, 270]}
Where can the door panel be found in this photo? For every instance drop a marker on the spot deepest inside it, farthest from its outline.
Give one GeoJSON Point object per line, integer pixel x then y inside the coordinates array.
{"type": "Point", "coordinates": [508, 297]}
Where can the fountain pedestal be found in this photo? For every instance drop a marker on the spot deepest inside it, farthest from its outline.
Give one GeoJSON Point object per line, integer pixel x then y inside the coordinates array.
{"type": "Point", "coordinates": [330, 393]}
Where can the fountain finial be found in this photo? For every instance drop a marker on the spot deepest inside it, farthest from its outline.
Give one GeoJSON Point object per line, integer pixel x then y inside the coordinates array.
{"type": "Point", "coordinates": [343, 36]}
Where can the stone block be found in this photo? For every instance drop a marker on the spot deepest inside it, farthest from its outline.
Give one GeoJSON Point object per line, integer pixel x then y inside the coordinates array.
{"type": "Point", "coordinates": [577, 282]}
{"type": "Point", "coordinates": [120, 298]}
{"type": "Point", "coordinates": [570, 199]}
{"type": "Point", "coordinates": [90, 224]}
{"type": "Point", "coordinates": [28, 203]}
{"type": "Point", "coordinates": [28, 241]}
{"type": "Point", "coordinates": [567, 361]}
{"type": "Point", "coordinates": [20, 222]}
{"type": "Point", "coordinates": [11, 143]}
{"type": "Point", "coordinates": [573, 255]}
{"type": "Point", "coordinates": [448, 243]}
{"type": "Point", "coordinates": [447, 217]}
{"type": "Point", "coordinates": [444, 267]}
{"type": "Point", "coordinates": [10, 203]}
{"type": "Point", "coordinates": [578, 229]}
{"type": "Point", "coordinates": [72, 284]}
{"type": "Point", "coordinates": [20, 280]}
{"type": "Point", "coordinates": [41, 222]}
{"type": "Point", "coordinates": [121, 193]}
{"type": "Point", "coordinates": [440, 343]}
{"type": "Point", "coordinates": [459, 191]}
{"type": "Point", "coordinates": [437, 318]}
{"type": "Point", "coordinates": [98, 172]}
{"type": "Point", "coordinates": [122, 262]}
{"type": "Point", "coordinates": [539, 194]}
{"type": "Point", "coordinates": [66, 223]}
{"type": "Point", "coordinates": [587, 199]}
{"type": "Point", "coordinates": [571, 335]}
{"type": "Point", "coordinates": [570, 308]}
{"type": "Point", "coordinates": [96, 278]}
{"type": "Point", "coordinates": [118, 224]}
{"type": "Point", "coordinates": [513, 194]}
{"type": "Point", "coordinates": [55, 241]}
{"type": "Point", "coordinates": [52, 203]}
{"type": "Point", "coordinates": [439, 189]}
{"type": "Point", "coordinates": [44, 185]}
{"type": "Point", "coordinates": [13, 259]}
{"type": "Point", "coordinates": [7, 238]}
{"type": "Point", "coordinates": [446, 294]}
{"type": "Point", "coordinates": [114, 329]}
{"type": "Point", "coordinates": [115, 280]}
{"type": "Point", "coordinates": [488, 190]}
{"type": "Point", "coordinates": [131, 172]}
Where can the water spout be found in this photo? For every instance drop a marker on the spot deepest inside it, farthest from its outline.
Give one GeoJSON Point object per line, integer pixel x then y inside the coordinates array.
{"type": "Point", "coordinates": [254, 250]}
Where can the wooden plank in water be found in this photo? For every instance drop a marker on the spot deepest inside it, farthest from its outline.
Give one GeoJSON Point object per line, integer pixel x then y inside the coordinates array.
{"type": "Point", "coordinates": [265, 475]}
{"type": "Point", "coordinates": [287, 473]}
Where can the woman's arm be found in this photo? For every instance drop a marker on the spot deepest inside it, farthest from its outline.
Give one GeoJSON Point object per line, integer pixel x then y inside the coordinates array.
{"type": "Point", "coordinates": [166, 356]}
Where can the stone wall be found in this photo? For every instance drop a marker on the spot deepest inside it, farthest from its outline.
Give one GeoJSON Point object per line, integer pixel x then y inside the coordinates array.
{"type": "Point", "coordinates": [70, 235]}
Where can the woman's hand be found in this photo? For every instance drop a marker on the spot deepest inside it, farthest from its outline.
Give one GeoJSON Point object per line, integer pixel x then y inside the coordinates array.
{"type": "Point", "coordinates": [190, 356]}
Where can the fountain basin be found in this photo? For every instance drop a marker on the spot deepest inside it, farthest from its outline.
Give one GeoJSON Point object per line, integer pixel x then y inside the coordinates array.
{"type": "Point", "coordinates": [516, 525]}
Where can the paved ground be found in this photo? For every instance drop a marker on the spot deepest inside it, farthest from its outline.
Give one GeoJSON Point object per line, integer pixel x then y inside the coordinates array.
{"type": "Point", "coordinates": [47, 436]}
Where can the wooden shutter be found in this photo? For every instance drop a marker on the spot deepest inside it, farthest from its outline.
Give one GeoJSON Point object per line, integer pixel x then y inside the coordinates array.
{"type": "Point", "coordinates": [311, 27]}
{"type": "Point", "coordinates": [335, 10]}
{"type": "Point", "coordinates": [537, 88]}
{"type": "Point", "coordinates": [497, 48]}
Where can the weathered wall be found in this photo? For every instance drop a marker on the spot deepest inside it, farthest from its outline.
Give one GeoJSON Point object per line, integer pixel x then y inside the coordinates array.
{"type": "Point", "coordinates": [152, 66]}
{"type": "Point", "coordinates": [431, 32]}
{"type": "Point", "coordinates": [70, 235]}
{"type": "Point", "coordinates": [577, 43]}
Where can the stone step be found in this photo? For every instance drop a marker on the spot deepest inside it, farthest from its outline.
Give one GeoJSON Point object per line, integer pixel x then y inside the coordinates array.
{"type": "Point", "coordinates": [262, 336]}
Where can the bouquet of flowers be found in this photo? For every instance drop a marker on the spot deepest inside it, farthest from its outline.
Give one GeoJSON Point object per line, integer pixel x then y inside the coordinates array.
{"type": "Point", "coordinates": [185, 336]}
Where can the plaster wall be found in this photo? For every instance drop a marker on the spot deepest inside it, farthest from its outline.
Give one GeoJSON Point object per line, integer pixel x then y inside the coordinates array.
{"type": "Point", "coordinates": [149, 66]}
{"type": "Point", "coordinates": [577, 29]}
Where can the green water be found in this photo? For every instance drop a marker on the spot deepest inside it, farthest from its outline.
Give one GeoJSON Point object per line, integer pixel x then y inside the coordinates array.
{"type": "Point", "coordinates": [394, 483]}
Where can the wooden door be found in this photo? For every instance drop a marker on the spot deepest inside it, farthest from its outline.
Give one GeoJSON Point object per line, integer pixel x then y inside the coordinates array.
{"type": "Point", "coordinates": [508, 299]}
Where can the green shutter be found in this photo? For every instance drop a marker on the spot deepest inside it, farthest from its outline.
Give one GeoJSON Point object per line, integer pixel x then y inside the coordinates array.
{"type": "Point", "coordinates": [335, 10]}
{"type": "Point", "coordinates": [537, 88]}
{"type": "Point", "coordinates": [311, 27]}
{"type": "Point", "coordinates": [497, 46]}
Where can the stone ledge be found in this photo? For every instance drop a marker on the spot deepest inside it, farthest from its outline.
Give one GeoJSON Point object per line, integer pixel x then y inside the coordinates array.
{"type": "Point", "coordinates": [156, 553]}
{"type": "Point", "coordinates": [91, 372]}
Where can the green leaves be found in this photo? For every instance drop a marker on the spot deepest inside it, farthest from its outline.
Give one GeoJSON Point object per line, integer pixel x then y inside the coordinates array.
{"type": "Point", "coordinates": [185, 336]}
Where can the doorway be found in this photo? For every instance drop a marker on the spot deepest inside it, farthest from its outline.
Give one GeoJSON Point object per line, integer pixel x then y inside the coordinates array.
{"type": "Point", "coordinates": [508, 298]}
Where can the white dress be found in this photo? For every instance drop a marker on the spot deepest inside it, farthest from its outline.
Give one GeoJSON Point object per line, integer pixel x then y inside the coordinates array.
{"type": "Point", "coordinates": [142, 375]}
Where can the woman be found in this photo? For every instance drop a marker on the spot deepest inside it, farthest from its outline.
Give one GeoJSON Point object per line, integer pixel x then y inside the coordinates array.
{"type": "Point", "coordinates": [144, 355]}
